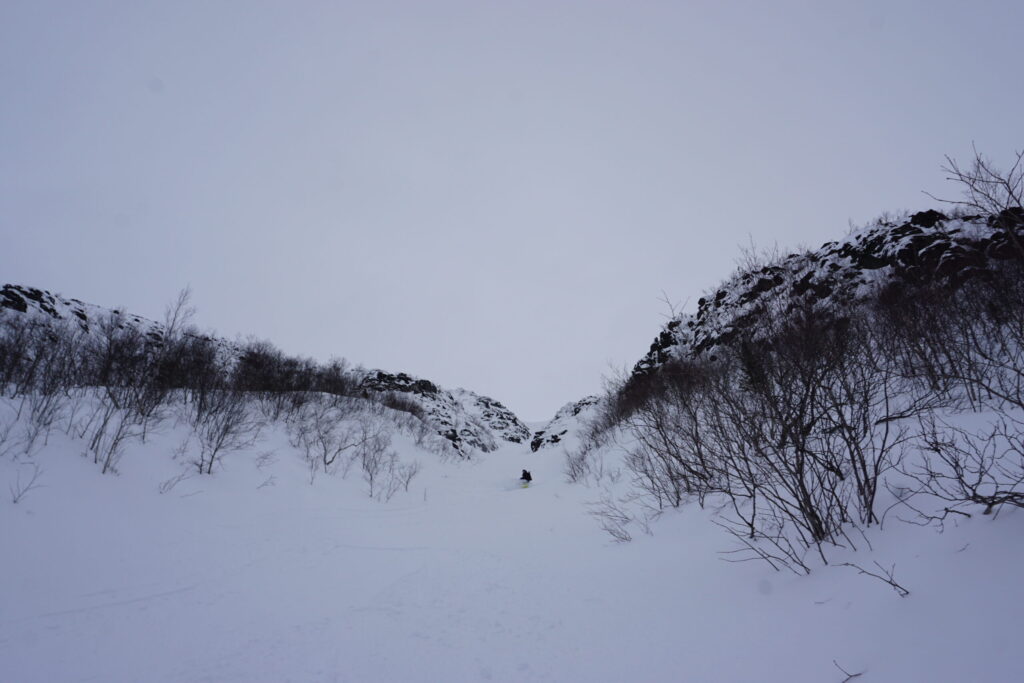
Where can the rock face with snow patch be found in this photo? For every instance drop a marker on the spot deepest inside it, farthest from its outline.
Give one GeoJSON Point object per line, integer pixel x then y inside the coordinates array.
{"type": "Point", "coordinates": [502, 422]}
{"type": "Point", "coordinates": [32, 301]}
{"type": "Point", "coordinates": [926, 247]}
{"type": "Point", "coordinates": [56, 309]}
{"type": "Point", "coordinates": [570, 418]}
{"type": "Point", "coordinates": [468, 420]}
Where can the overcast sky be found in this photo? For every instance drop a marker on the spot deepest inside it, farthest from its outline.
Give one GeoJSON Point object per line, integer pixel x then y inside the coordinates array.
{"type": "Point", "coordinates": [488, 194]}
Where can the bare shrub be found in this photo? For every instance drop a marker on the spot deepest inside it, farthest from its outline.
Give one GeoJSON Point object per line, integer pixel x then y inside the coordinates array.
{"type": "Point", "coordinates": [44, 409]}
{"type": "Point", "coordinates": [283, 384]}
{"type": "Point", "coordinates": [117, 360]}
{"type": "Point", "coordinates": [396, 476]}
{"type": "Point", "coordinates": [375, 459]}
{"type": "Point", "coordinates": [669, 455]}
{"type": "Point", "coordinates": [110, 428]}
{"type": "Point", "coordinates": [790, 432]}
{"type": "Point", "coordinates": [964, 347]}
{"type": "Point", "coordinates": [16, 331]}
{"type": "Point", "coordinates": [988, 190]}
{"type": "Point", "coordinates": [863, 409]}
{"type": "Point", "coordinates": [39, 364]}
{"type": "Point", "coordinates": [22, 485]}
{"type": "Point", "coordinates": [960, 468]}
{"type": "Point", "coordinates": [324, 433]}
{"type": "Point", "coordinates": [8, 421]}
{"type": "Point", "coordinates": [382, 470]}
{"type": "Point", "coordinates": [577, 464]}
{"type": "Point", "coordinates": [333, 435]}
{"type": "Point", "coordinates": [114, 378]}
{"type": "Point", "coordinates": [225, 423]}
{"type": "Point", "coordinates": [613, 518]}
{"type": "Point", "coordinates": [403, 403]}
{"type": "Point", "coordinates": [405, 473]}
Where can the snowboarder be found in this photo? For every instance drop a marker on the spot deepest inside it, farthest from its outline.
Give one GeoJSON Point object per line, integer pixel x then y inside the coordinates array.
{"type": "Point", "coordinates": [526, 477]}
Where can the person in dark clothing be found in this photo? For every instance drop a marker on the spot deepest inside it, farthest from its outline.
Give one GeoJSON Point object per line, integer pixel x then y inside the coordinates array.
{"type": "Point", "coordinates": [526, 476]}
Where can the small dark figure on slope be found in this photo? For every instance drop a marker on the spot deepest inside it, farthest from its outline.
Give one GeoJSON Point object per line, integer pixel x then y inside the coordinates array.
{"type": "Point", "coordinates": [526, 476]}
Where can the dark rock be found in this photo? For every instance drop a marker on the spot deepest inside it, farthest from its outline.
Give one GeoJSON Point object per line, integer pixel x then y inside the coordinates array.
{"type": "Point", "coordinates": [928, 247]}
{"type": "Point", "coordinates": [538, 441]}
{"type": "Point", "coordinates": [1008, 219]}
{"type": "Point", "coordinates": [12, 300]}
{"type": "Point", "coordinates": [927, 219]}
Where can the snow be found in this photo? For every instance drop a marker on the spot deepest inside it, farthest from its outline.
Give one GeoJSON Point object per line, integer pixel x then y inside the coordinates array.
{"type": "Point", "coordinates": [566, 423]}
{"type": "Point", "coordinates": [254, 574]}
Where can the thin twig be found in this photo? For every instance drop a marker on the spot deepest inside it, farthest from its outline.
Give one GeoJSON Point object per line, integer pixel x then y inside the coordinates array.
{"type": "Point", "coordinates": [849, 676]}
{"type": "Point", "coordinates": [886, 576]}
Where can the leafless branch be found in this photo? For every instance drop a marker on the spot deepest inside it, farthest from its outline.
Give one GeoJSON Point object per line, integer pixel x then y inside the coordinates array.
{"type": "Point", "coordinates": [19, 488]}
{"type": "Point", "coordinates": [886, 576]}
{"type": "Point", "coordinates": [849, 676]}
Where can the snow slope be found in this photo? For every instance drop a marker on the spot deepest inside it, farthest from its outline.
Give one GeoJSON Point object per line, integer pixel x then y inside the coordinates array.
{"type": "Point", "coordinates": [254, 574]}
{"type": "Point", "coordinates": [570, 418]}
{"type": "Point", "coordinates": [471, 422]}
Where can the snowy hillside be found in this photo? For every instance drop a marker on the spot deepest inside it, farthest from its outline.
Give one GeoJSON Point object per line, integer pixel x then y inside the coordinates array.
{"type": "Point", "coordinates": [255, 574]}
{"type": "Point", "coordinates": [922, 248]}
{"type": "Point", "coordinates": [819, 476]}
{"type": "Point", "coordinates": [570, 418]}
{"type": "Point", "coordinates": [471, 422]}
{"type": "Point", "coordinates": [46, 305]}
{"type": "Point", "coordinates": [926, 247]}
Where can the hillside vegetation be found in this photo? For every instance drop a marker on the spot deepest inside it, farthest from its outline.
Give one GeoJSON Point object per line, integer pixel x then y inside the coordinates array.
{"type": "Point", "coordinates": [813, 394]}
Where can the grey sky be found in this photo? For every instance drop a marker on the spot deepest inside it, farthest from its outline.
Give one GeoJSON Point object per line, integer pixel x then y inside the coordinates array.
{"type": "Point", "coordinates": [488, 194]}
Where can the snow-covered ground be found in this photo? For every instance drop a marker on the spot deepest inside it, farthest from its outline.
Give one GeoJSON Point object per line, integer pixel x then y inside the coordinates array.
{"type": "Point", "coordinates": [254, 574]}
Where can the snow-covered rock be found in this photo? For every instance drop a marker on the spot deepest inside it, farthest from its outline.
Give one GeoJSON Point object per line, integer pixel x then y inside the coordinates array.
{"type": "Point", "coordinates": [926, 246]}
{"type": "Point", "coordinates": [50, 307]}
{"type": "Point", "coordinates": [570, 419]}
{"type": "Point", "coordinates": [38, 302]}
{"type": "Point", "coordinates": [502, 422]}
{"type": "Point", "coordinates": [470, 421]}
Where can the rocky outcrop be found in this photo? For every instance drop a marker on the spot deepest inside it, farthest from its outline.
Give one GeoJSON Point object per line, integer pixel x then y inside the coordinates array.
{"type": "Point", "coordinates": [502, 422]}
{"type": "Point", "coordinates": [924, 247]}
{"type": "Point", "coordinates": [471, 422]}
{"type": "Point", "coordinates": [54, 308]}
{"type": "Point", "coordinates": [40, 302]}
{"type": "Point", "coordinates": [402, 383]}
{"type": "Point", "coordinates": [569, 419]}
